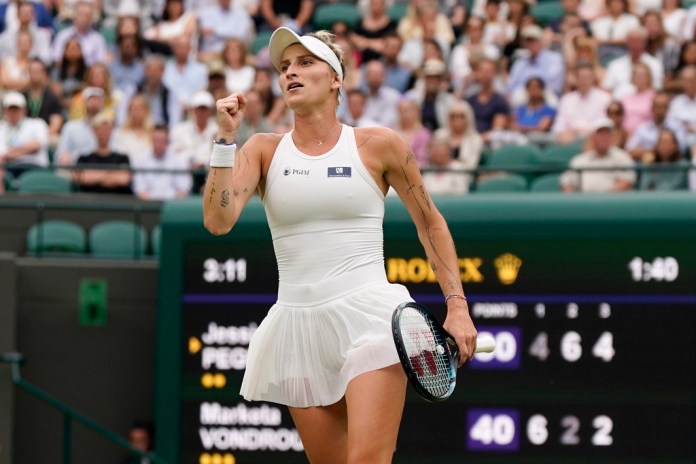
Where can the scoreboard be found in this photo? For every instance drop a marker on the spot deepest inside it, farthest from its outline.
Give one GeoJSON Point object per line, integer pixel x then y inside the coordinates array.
{"type": "Point", "coordinates": [593, 313]}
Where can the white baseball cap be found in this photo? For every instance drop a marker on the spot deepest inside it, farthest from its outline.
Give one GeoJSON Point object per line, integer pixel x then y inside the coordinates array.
{"type": "Point", "coordinates": [602, 123]}
{"type": "Point", "coordinates": [14, 99]}
{"type": "Point", "coordinates": [283, 37]}
{"type": "Point", "coordinates": [202, 98]}
{"type": "Point", "coordinates": [532, 31]}
{"type": "Point", "coordinates": [89, 92]}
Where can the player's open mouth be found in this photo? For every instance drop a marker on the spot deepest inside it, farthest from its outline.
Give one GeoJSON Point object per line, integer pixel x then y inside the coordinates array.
{"type": "Point", "coordinates": [294, 85]}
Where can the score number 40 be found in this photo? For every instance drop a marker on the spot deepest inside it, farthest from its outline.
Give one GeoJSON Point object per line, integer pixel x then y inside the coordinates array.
{"type": "Point", "coordinates": [499, 430]}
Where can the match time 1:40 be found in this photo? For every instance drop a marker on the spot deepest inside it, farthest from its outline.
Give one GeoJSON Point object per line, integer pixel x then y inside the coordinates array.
{"type": "Point", "coordinates": [572, 347]}
{"type": "Point", "coordinates": [502, 430]}
{"type": "Point", "coordinates": [660, 269]}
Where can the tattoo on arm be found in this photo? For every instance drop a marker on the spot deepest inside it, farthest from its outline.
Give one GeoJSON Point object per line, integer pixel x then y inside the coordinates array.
{"type": "Point", "coordinates": [212, 186]}
{"type": "Point", "coordinates": [225, 198]}
{"type": "Point", "coordinates": [423, 202]}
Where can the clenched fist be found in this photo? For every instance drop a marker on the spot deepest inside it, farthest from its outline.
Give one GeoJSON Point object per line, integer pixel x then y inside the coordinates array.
{"type": "Point", "coordinates": [230, 113]}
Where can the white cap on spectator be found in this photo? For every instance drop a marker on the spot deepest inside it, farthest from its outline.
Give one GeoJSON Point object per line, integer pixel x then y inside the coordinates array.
{"type": "Point", "coordinates": [532, 31]}
{"type": "Point", "coordinates": [128, 8]}
{"type": "Point", "coordinates": [602, 123]}
{"type": "Point", "coordinates": [92, 92]}
{"type": "Point", "coordinates": [283, 37]}
{"type": "Point", "coordinates": [14, 99]}
{"type": "Point", "coordinates": [202, 98]}
{"type": "Point", "coordinates": [434, 67]}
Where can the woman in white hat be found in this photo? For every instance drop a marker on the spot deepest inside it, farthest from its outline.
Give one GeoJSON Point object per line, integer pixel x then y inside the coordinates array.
{"type": "Point", "coordinates": [325, 348]}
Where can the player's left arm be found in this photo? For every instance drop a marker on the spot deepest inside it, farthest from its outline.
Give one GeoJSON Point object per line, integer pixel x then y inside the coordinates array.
{"type": "Point", "coordinates": [402, 173]}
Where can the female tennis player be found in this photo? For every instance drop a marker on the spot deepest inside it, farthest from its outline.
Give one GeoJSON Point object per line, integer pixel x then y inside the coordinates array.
{"type": "Point", "coordinates": [325, 348]}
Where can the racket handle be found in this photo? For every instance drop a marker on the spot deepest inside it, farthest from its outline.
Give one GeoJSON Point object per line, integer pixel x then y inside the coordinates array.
{"type": "Point", "coordinates": [485, 344]}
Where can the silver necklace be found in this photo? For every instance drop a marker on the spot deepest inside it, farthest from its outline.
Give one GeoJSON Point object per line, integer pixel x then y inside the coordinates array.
{"type": "Point", "coordinates": [319, 142]}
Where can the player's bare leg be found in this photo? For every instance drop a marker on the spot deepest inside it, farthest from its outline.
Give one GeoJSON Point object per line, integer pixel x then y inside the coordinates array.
{"type": "Point", "coordinates": [375, 402]}
{"type": "Point", "coordinates": [324, 432]}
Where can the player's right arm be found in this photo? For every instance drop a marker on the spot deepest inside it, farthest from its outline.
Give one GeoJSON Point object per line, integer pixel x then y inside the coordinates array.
{"type": "Point", "coordinates": [227, 190]}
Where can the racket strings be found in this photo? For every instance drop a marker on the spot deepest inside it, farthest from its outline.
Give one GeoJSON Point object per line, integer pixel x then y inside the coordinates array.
{"type": "Point", "coordinates": [426, 351]}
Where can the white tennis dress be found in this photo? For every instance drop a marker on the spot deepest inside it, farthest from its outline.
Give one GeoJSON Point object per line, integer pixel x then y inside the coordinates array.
{"type": "Point", "coordinates": [332, 320]}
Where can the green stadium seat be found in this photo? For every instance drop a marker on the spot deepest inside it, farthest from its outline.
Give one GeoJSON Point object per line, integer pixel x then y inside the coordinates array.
{"type": "Point", "coordinates": [260, 41]}
{"type": "Point", "coordinates": [56, 237]}
{"type": "Point", "coordinates": [546, 183]}
{"type": "Point", "coordinates": [329, 13]}
{"type": "Point", "coordinates": [547, 11]}
{"type": "Point", "coordinates": [117, 239]}
{"type": "Point", "coordinates": [8, 182]}
{"type": "Point", "coordinates": [558, 156]}
{"type": "Point", "coordinates": [515, 159]}
{"type": "Point", "coordinates": [396, 12]}
{"type": "Point", "coordinates": [156, 239]}
{"type": "Point", "coordinates": [42, 181]}
{"type": "Point", "coordinates": [109, 34]}
{"type": "Point", "coordinates": [499, 184]}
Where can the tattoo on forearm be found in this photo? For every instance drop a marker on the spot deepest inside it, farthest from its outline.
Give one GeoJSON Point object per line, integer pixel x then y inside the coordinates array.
{"type": "Point", "coordinates": [410, 157]}
{"type": "Point", "coordinates": [423, 202]}
{"type": "Point", "coordinates": [424, 196]}
{"type": "Point", "coordinates": [225, 198]}
{"type": "Point", "coordinates": [212, 185]}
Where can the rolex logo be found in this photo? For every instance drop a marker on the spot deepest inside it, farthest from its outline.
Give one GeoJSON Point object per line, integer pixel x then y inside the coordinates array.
{"type": "Point", "coordinates": [508, 266]}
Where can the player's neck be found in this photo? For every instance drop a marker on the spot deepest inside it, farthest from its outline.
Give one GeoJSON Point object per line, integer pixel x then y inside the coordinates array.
{"type": "Point", "coordinates": [316, 125]}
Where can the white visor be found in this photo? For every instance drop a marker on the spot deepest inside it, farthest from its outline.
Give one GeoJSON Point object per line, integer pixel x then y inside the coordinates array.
{"type": "Point", "coordinates": [283, 37]}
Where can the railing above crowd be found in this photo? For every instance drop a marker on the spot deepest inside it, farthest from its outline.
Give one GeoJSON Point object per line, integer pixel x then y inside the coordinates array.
{"type": "Point", "coordinates": [504, 86]}
{"type": "Point", "coordinates": [492, 176]}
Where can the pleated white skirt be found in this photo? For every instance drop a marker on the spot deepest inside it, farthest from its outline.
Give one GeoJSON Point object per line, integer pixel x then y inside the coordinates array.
{"type": "Point", "coordinates": [304, 353]}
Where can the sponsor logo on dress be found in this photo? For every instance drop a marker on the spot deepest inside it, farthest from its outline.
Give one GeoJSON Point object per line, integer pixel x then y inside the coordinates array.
{"type": "Point", "coordinates": [295, 172]}
{"type": "Point", "coordinates": [340, 172]}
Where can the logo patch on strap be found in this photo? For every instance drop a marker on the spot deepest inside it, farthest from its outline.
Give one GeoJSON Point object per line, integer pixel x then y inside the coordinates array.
{"type": "Point", "coordinates": [340, 172]}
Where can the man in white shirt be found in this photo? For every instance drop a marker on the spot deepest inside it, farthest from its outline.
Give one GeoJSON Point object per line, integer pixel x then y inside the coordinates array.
{"type": "Point", "coordinates": [448, 176]}
{"type": "Point", "coordinates": [587, 175]}
{"type": "Point", "coordinates": [683, 106]}
{"type": "Point", "coordinates": [23, 141]}
{"type": "Point", "coordinates": [612, 28]}
{"type": "Point", "coordinates": [382, 101]}
{"type": "Point", "coordinates": [221, 22]}
{"type": "Point", "coordinates": [356, 116]}
{"type": "Point", "coordinates": [620, 70]}
{"type": "Point", "coordinates": [183, 75]}
{"type": "Point", "coordinates": [77, 136]}
{"type": "Point", "coordinates": [151, 181]}
{"type": "Point", "coordinates": [192, 139]}
{"type": "Point", "coordinates": [92, 42]}
{"type": "Point", "coordinates": [581, 108]}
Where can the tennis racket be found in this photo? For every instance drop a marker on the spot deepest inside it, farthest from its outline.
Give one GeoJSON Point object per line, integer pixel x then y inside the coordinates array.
{"type": "Point", "coordinates": [427, 352]}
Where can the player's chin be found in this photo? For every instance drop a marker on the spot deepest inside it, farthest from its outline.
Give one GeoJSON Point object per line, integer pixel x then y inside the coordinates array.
{"type": "Point", "coordinates": [294, 95]}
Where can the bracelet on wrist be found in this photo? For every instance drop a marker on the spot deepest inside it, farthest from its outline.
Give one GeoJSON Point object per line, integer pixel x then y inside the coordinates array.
{"type": "Point", "coordinates": [223, 141]}
{"type": "Point", "coordinates": [454, 295]}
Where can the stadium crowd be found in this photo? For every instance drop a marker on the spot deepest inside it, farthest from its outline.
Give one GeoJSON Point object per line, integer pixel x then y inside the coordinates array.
{"type": "Point", "coordinates": [603, 89]}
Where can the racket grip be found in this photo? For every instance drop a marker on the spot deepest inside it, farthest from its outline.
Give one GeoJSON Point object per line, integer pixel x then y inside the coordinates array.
{"type": "Point", "coordinates": [485, 344]}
